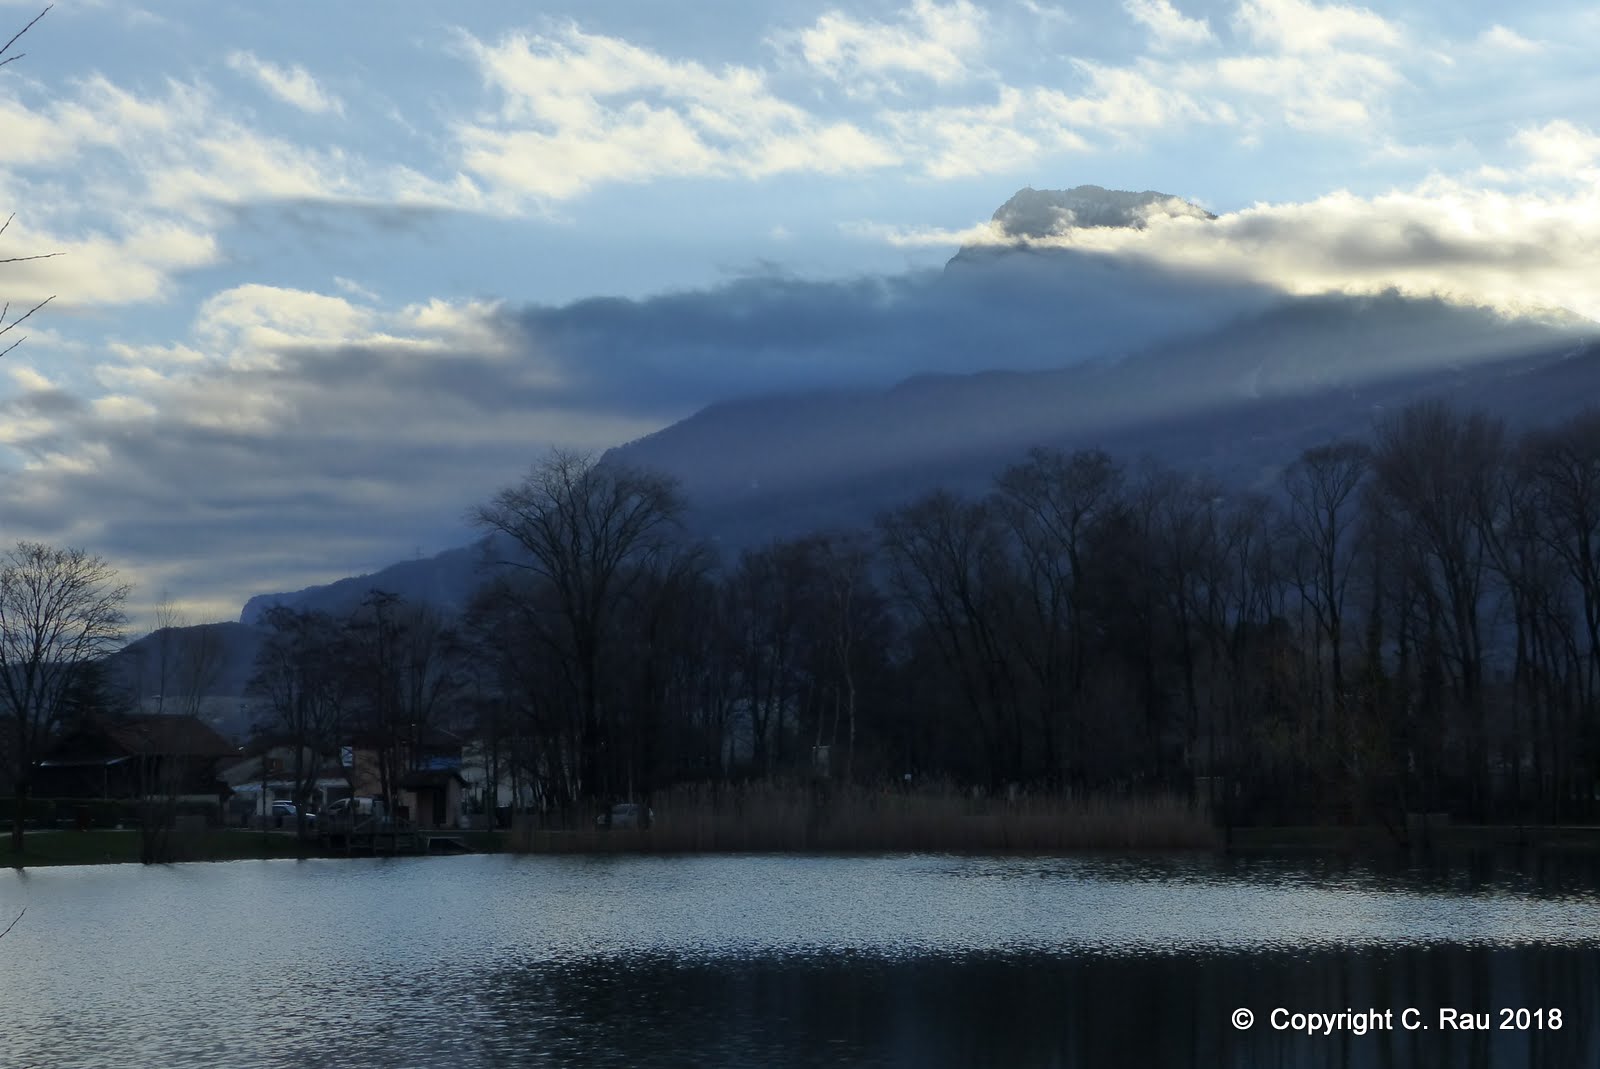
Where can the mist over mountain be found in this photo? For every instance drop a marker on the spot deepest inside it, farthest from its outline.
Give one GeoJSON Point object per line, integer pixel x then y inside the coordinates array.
{"type": "Point", "coordinates": [1015, 306]}
{"type": "Point", "coordinates": [880, 389]}
{"type": "Point", "coordinates": [1241, 401]}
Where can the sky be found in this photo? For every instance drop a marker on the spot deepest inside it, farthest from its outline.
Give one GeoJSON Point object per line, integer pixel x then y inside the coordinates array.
{"type": "Point", "coordinates": [326, 276]}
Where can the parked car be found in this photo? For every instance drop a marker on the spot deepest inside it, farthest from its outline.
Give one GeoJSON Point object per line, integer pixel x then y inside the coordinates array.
{"type": "Point", "coordinates": [285, 814]}
{"type": "Point", "coordinates": [626, 815]}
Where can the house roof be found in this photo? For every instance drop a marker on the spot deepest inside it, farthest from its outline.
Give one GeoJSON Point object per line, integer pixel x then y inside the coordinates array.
{"type": "Point", "coordinates": [146, 735]}
{"type": "Point", "coordinates": [187, 735]}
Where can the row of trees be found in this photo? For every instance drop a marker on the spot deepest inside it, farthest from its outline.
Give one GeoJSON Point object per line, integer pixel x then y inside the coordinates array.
{"type": "Point", "coordinates": [1410, 623]}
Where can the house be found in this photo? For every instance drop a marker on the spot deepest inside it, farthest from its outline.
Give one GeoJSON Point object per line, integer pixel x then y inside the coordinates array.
{"type": "Point", "coordinates": [135, 757]}
{"type": "Point", "coordinates": [267, 775]}
{"type": "Point", "coordinates": [426, 771]}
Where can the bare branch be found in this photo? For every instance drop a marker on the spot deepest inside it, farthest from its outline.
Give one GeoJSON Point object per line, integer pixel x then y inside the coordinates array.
{"type": "Point", "coordinates": [18, 35]}
{"type": "Point", "coordinates": [6, 327]}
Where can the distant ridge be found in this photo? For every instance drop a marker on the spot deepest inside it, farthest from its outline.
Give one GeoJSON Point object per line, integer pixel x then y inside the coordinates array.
{"type": "Point", "coordinates": [445, 580]}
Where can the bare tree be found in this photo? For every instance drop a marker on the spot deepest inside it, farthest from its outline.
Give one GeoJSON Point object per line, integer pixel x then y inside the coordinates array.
{"type": "Point", "coordinates": [1323, 490]}
{"type": "Point", "coordinates": [1564, 469]}
{"type": "Point", "coordinates": [188, 664]}
{"type": "Point", "coordinates": [6, 327]}
{"type": "Point", "coordinates": [587, 530]}
{"type": "Point", "coordinates": [947, 565]}
{"type": "Point", "coordinates": [1051, 503]}
{"type": "Point", "coordinates": [849, 609]}
{"type": "Point", "coordinates": [189, 661]}
{"type": "Point", "coordinates": [1435, 470]}
{"type": "Point", "coordinates": [60, 610]}
{"type": "Point", "coordinates": [297, 674]}
{"type": "Point", "coordinates": [766, 602]}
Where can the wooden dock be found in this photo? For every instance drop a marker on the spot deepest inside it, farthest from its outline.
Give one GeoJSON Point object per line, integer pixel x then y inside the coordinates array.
{"type": "Point", "coordinates": [373, 836]}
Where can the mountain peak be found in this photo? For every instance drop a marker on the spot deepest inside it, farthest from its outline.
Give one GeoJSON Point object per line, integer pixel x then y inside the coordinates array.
{"type": "Point", "coordinates": [1034, 215]}
{"type": "Point", "coordinates": [1041, 213]}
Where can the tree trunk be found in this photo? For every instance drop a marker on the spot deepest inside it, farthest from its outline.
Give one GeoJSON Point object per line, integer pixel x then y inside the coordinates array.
{"type": "Point", "coordinates": [19, 816]}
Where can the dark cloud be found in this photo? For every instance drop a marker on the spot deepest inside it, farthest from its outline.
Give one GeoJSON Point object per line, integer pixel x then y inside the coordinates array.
{"type": "Point", "coordinates": [762, 334]}
{"type": "Point", "coordinates": [324, 220]}
{"type": "Point", "coordinates": [45, 402]}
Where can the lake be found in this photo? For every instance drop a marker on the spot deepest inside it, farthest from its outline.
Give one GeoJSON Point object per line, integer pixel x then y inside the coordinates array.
{"type": "Point", "coordinates": [797, 961]}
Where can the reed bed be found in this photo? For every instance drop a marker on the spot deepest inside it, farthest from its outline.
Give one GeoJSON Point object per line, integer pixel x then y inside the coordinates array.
{"type": "Point", "coordinates": [836, 819]}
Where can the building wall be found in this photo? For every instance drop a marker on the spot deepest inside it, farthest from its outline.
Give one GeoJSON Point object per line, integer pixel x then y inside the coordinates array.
{"type": "Point", "coordinates": [419, 803]}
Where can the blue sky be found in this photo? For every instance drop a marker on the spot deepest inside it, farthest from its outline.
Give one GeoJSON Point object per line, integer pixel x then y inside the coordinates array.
{"type": "Point", "coordinates": [327, 279]}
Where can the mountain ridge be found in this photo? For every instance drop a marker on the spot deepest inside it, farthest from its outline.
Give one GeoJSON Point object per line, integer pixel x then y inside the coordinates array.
{"type": "Point", "coordinates": [1244, 395]}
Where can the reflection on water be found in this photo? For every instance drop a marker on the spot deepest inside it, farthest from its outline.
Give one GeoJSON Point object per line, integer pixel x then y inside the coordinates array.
{"type": "Point", "coordinates": [901, 961]}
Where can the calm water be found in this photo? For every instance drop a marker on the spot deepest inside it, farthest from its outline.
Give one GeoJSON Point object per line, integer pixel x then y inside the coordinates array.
{"type": "Point", "coordinates": [763, 961]}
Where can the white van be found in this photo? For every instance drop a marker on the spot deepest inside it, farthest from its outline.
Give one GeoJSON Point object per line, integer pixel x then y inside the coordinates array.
{"type": "Point", "coordinates": [350, 810]}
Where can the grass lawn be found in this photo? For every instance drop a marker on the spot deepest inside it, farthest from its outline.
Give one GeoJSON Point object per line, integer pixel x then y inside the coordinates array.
{"type": "Point", "coordinates": [101, 847]}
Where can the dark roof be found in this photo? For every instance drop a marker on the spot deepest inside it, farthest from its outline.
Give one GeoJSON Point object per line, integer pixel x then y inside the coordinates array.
{"type": "Point", "coordinates": [187, 736]}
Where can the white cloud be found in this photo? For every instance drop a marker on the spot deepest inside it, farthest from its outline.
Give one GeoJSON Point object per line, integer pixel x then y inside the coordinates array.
{"type": "Point", "coordinates": [932, 41]}
{"type": "Point", "coordinates": [1501, 40]}
{"type": "Point", "coordinates": [1301, 26]}
{"type": "Point", "coordinates": [148, 174]}
{"type": "Point", "coordinates": [354, 288]}
{"type": "Point", "coordinates": [1332, 92]}
{"type": "Point", "coordinates": [1560, 148]}
{"type": "Point", "coordinates": [1169, 27]}
{"type": "Point", "coordinates": [919, 237]}
{"type": "Point", "coordinates": [1518, 253]}
{"type": "Point", "coordinates": [253, 321]}
{"type": "Point", "coordinates": [98, 269]}
{"type": "Point", "coordinates": [293, 85]}
{"type": "Point", "coordinates": [580, 109]}
{"type": "Point", "coordinates": [954, 142]}
{"type": "Point", "coordinates": [1127, 98]}
{"type": "Point", "coordinates": [1048, 13]}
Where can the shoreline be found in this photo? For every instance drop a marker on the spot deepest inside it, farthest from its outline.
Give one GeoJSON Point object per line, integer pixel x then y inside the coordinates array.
{"type": "Point", "coordinates": [50, 849]}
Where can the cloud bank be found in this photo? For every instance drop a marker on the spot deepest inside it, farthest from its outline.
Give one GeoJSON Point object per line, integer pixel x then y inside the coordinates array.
{"type": "Point", "coordinates": [1535, 249]}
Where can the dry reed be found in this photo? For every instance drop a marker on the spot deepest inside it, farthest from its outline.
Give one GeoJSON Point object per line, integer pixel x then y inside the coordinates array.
{"type": "Point", "coordinates": [836, 819]}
